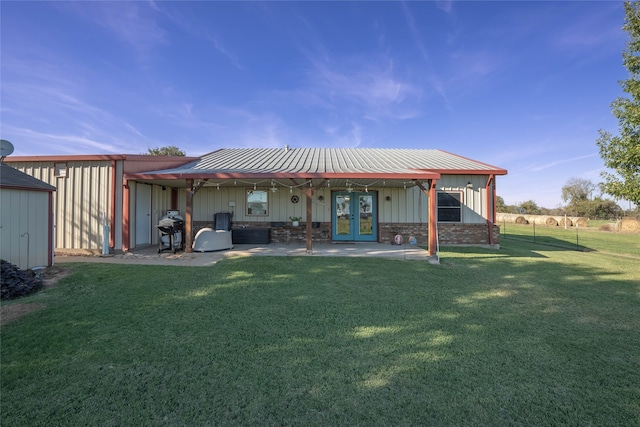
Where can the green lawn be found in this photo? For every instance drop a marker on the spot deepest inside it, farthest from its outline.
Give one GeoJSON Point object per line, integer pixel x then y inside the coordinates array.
{"type": "Point", "coordinates": [584, 239]}
{"type": "Point", "coordinates": [526, 335]}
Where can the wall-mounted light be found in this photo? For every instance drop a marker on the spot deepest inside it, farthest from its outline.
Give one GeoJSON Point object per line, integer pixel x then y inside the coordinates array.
{"type": "Point", "coordinates": [321, 198]}
{"type": "Point", "coordinates": [388, 198]}
{"type": "Point", "coordinates": [469, 184]}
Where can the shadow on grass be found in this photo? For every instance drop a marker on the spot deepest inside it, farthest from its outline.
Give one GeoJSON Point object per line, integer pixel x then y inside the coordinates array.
{"type": "Point", "coordinates": [551, 242]}
{"type": "Point", "coordinates": [479, 340]}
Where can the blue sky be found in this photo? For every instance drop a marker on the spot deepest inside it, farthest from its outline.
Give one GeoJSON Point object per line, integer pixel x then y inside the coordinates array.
{"type": "Point", "coordinates": [521, 85]}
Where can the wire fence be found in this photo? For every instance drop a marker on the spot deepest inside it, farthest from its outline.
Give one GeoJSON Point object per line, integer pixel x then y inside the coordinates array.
{"type": "Point", "coordinates": [573, 238]}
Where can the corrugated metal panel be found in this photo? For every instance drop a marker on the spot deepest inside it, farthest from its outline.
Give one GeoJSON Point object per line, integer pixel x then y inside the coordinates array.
{"type": "Point", "coordinates": [81, 199]}
{"type": "Point", "coordinates": [474, 210]}
{"type": "Point", "coordinates": [330, 160]}
{"type": "Point", "coordinates": [24, 227]}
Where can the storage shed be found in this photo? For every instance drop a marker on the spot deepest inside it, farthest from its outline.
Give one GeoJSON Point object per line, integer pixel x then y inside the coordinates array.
{"type": "Point", "coordinates": [26, 219]}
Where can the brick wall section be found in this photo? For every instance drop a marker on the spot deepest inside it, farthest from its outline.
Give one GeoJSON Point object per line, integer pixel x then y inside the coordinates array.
{"type": "Point", "coordinates": [449, 234]}
{"type": "Point", "coordinates": [467, 234]}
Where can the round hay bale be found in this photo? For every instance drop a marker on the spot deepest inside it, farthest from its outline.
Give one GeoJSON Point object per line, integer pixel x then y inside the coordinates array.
{"type": "Point", "coordinates": [564, 221]}
{"type": "Point", "coordinates": [579, 221]}
{"type": "Point", "coordinates": [608, 227]}
{"type": "Point", "coordinates": [510, 218]}
{"type": "Point", "coordinates": [546, 220]}
{"type": "Point", "coordinates": [628, 225]}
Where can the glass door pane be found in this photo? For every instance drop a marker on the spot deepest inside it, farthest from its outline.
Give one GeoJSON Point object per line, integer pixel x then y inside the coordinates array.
{"type": "Point", "coordinates": [343, 215]}
{"type": "Point", "coordinates": [365, 218]}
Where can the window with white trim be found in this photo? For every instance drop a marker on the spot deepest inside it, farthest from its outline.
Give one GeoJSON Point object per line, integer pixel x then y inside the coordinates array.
{"type": "Point", "coordinates": [257, 202]}
{"type": "Point", "coordinates": [449, 206]}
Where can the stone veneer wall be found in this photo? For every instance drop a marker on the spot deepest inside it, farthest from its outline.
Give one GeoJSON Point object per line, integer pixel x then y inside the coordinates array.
{"type": "Point", "coordinates": [449, 234]}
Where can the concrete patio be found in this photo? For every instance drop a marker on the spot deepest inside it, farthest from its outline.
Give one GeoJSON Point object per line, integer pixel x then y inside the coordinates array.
{"type": "Point", "coordinates": [150, 255]}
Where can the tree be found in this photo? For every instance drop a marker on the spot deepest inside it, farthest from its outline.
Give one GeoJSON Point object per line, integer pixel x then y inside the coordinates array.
{"type": "Point", "coordinates": [577, 190]}
{"type": "Point", "coordinates": [500, 206]}
{"type": "Point", "coordinates": [529, 207]}
{"type": "Point", "coordinates": [622, 153]}
{"type": "Point", "coordinates": [169, 150]}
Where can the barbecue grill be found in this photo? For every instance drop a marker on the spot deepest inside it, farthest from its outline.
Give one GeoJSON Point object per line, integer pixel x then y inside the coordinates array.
{"type": "Point", "coordinates": [170, 230]}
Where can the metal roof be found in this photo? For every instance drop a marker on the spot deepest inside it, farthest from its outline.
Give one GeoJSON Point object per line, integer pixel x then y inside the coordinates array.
{"type": "Point", "coordinates": [13, 178]}
{"type": "Point", "coordinates": [329, 162]}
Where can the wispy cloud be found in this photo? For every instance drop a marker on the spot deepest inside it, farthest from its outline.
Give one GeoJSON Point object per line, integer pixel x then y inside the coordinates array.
{"type": "Point", "coordinates": [578, 36]}
{"type": "Point", "coordinates": [134, 23]}
{"type": "Point", "coordinates": [554, 163]}
{"type": "Point", "coordinates": [432, 77]}
{"type": "Point", "coordinates": [41, 143]}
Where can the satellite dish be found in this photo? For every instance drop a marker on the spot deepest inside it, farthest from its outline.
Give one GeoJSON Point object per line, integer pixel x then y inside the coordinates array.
{"type": "Point", "coordinates": [6, 148]}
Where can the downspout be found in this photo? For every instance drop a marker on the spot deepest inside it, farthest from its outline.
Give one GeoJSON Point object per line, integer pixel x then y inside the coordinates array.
{"type": "Point", "coordinates": [112, 209]}
{"type": "Point", "coordinates": [491, 206]}
{"type": "Point", "coordinates": [125, 215]}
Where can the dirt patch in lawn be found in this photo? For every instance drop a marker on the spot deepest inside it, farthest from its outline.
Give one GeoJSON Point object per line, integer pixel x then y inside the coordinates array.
{"type": "Point", "coordinates": [50, 277]}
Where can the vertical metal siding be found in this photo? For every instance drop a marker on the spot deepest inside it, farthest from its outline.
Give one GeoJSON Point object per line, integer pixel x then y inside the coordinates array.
{"type": "Point", "coordinates": [24, 231]}
{"type": "Point", "coordinates": [81, 199]}
{"type": "Point", "coordinates": [210, 200]}
{"type": "Point", "coordinates": [474, 199]}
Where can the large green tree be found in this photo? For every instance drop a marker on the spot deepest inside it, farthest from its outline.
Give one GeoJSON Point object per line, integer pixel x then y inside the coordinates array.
{"type": "Point", "coordinates": [621, 153]}
{"type": "Point", "coordinates": [577, 190]}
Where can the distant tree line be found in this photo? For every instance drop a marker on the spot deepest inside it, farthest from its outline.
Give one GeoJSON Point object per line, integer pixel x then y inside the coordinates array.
{"type": "Point", "coordinates": [577, 193]}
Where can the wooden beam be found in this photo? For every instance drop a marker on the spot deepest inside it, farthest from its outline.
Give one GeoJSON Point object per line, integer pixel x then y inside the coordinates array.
{"type": "Point", "coordinates": [491, 206]}
{"type": "Point", "coordinates": [432, 227]}
{"type": "Point", "coordinates": [188, 217]}
{"type": "Point", "coordinates": [126, 214]}
{"type": "Point", "coordinates": [433, 219]}
{"type": "Point", "coordinates": [199, 186]}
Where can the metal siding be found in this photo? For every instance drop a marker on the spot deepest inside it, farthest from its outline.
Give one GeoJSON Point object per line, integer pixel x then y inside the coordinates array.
{"type": "Point", "coordinates": [79, 202]}
{"type": "Point", "coordinates": [118, 201]}
{"type": "Point", "coordinates": [24, 232]}
{"type": "Point", "coordinates": [474, 209]}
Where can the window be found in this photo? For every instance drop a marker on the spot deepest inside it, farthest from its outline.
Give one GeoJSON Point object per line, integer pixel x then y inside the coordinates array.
{"type": "Point", "coordinates": [257, 202]}
{"type": "Point", "coordinates": [449, 207]}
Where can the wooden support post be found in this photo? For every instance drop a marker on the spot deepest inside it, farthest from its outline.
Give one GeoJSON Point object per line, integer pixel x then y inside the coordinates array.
{"type": "Point", "coordinates": [188, 218]}
{"type": "Point", "coordinates": [126, 213]}
{"type": "Point", "coordinates": [491, 206]}
{"type": "Point", "coordinates": [309, 229]}
{"type": "Point", "coordinates": [433, 219]}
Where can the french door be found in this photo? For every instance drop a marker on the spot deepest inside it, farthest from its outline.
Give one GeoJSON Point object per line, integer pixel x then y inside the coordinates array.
{"type": "Point", "coordinates": [355, 216]}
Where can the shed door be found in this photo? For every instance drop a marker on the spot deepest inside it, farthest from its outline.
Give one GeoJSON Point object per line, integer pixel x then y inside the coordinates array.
{"type": "Point", "coordinates": [355, 216]}
{"type": "Point", "coordinates": [143, 214]}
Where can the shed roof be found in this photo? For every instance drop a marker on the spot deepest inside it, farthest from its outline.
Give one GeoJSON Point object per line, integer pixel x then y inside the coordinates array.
{"type": "Point", "coordinates": [13, 178]}
{"type": "Point", "coordinates": [329, 162]}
